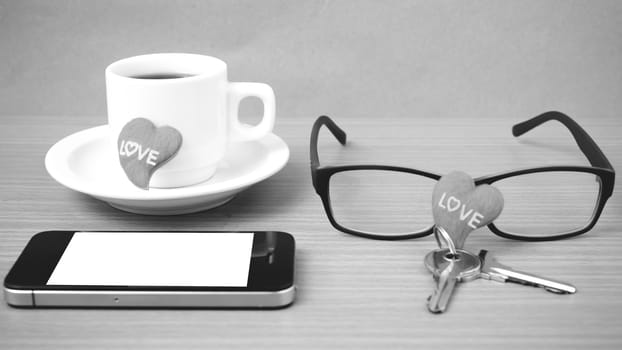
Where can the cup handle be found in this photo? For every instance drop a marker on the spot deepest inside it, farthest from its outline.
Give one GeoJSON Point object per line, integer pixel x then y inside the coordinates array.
{"type": "Point", "coordinates": [238, 91]}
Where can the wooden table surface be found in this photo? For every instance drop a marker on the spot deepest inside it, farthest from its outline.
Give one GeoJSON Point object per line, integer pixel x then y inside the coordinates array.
{"type": "Point", "coordinates": [352, 292]}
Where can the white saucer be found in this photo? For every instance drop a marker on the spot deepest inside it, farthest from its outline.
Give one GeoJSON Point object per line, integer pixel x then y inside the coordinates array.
{"type": "Point", "coordinates": [82, 162]}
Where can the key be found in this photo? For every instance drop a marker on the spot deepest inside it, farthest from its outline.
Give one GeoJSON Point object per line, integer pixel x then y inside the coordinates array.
{"type": "Point", "coordinates": [445, 284]}
{"type": "Point", "coordinates": [449, 269]}
{"type": "Point", "coordinates": [491, 269]}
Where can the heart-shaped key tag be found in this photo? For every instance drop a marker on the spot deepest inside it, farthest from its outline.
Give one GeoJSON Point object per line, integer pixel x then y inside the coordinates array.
{"type": "Point", "coordinates": [460, 207]}
{"type": "Point", "coordinates": [143, 148]}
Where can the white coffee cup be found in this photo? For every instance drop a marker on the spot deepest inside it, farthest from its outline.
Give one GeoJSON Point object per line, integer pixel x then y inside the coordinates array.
{"type": "Point", "coordinates": [190, 93]}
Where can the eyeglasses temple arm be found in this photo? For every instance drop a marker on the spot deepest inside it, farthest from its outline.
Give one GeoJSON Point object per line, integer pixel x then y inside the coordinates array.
{"type": "Point", "coordinates": [339, 134]}
{"type": "Point", "coordinates": [588, 146]}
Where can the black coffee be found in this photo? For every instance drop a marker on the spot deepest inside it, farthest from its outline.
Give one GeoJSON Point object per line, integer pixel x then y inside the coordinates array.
{"type": "Point", "coordinates": [161, 76]}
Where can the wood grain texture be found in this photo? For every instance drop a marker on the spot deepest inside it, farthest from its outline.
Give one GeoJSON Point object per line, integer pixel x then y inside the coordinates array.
{"type": "Point", "coordinates": [353, 293]}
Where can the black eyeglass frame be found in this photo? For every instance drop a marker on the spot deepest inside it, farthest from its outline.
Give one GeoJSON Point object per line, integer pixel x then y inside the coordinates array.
{"type": "Point", "coordinates": [601, 167]}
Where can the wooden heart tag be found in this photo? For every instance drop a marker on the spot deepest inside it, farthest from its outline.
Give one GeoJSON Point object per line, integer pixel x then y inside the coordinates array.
{"type": "Point", "coordinates": [143, 148]}
{"type": "Point", "coordinates": [460, 207]}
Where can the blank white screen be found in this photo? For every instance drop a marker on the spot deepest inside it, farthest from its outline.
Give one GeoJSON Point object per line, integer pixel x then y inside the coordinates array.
{"type": "Point", "coordinates": [155, 259]}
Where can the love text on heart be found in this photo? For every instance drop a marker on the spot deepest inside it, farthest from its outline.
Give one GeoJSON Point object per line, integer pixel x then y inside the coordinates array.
{"type": "Point", "coordinates": [452, 204]}
{"type": "Point", "coordinates": [131, 148]}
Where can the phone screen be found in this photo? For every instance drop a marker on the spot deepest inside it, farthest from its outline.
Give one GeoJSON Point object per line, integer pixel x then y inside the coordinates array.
{"type": "Point", "coordinates": [215, 259]}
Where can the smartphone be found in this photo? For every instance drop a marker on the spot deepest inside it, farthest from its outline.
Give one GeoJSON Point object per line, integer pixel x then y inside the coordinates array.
{"type": "Point", "coordinates": [154, 270]}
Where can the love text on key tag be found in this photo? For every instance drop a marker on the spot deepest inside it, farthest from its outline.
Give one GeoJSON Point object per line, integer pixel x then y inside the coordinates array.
{"type": "Point", "coordinates": [143, 148]}
{"type": "Point", "coordinates": [460, 207]}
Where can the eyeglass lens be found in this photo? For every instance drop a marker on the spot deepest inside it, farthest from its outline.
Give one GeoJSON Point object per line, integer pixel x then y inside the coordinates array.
{"type": "Point", "coordinates": [381, 202]}
{"type": "Point", "coordinates": [547, 203]}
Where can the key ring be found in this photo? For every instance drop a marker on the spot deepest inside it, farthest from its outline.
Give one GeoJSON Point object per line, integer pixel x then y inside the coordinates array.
{"type": "Point", "coordinates": [447, 238]}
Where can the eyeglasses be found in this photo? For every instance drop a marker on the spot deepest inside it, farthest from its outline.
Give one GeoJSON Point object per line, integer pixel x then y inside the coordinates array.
{"type": "Point", "coordinates": [392, 203]}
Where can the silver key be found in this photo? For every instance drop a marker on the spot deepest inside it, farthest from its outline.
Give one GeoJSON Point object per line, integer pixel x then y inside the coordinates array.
{"type": "Point", "coordinates": [448, 269]}
{"type": "Point", "coordinates": [491, 269]}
